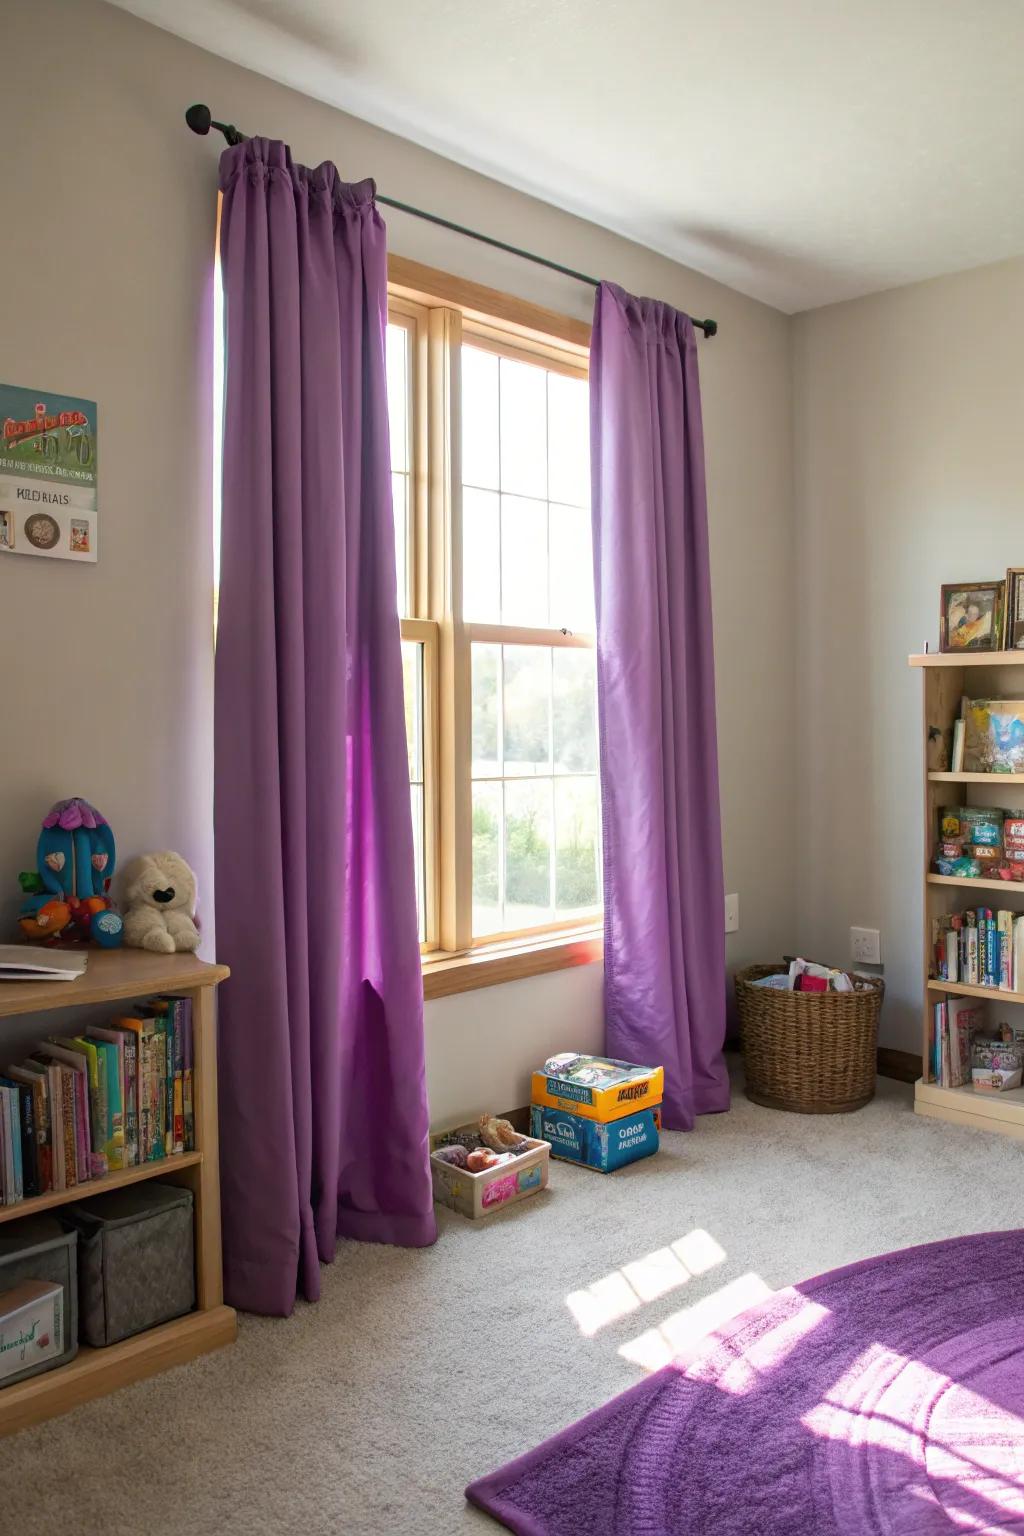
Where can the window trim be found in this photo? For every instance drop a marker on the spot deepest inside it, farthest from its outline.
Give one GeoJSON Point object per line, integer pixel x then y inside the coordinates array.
{"type": "Point", "coordinates": [439, 310]}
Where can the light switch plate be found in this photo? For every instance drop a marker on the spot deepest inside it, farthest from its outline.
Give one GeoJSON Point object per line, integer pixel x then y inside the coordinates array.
{"type": "Point", "coordinates": [732, 914]}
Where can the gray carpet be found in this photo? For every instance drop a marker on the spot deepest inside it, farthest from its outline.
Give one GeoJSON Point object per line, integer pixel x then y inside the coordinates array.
{"type": "Point", "coordinates": [418, 1371]}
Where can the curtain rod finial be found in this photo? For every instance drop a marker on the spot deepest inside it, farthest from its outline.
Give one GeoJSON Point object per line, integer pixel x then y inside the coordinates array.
{"type": "Point", "coordinates": [199, 118]}
{"type": "Point", "coordinates": [710, 327]}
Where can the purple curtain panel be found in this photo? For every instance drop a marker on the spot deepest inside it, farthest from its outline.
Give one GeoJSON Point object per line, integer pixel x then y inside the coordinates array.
{"type": "Point", "coordinates": [664, 951]}
{"type": "Point", "coordinates": [322, 1095]}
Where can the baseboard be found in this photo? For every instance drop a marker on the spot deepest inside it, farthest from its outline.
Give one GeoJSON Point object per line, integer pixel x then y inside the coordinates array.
{"type": "Point", "coordinates": [904, 1066]}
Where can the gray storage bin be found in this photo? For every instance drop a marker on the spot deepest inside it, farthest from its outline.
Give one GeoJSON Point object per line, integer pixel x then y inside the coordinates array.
{"type": "Point", "coordinates": [39, 1248]}
{"type": "Point", "coordinates": [136, 1264]}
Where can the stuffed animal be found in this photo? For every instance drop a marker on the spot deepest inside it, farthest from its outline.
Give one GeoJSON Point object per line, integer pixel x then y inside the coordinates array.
{"type": "Point", "coordinates": [67, 895]}
{"type": "Point", "coordinates": [161, 902]}
{"type": "Point", "coordinates": [501, 1136]}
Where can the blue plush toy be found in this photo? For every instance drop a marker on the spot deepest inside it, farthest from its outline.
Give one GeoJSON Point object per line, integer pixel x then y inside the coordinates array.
{"type": "Point", "coordinates": [68, 895]}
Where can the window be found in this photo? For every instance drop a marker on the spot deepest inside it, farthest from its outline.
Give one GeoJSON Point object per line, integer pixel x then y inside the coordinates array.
{"type": "Point", "coordinates": [491, 478]}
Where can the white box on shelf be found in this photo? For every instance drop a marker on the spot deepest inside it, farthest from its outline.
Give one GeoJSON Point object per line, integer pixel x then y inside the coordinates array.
{"type": "Point", "coordinates": [31, 1328]}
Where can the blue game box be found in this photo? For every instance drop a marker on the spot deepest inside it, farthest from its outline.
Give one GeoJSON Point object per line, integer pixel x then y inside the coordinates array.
{"type": "Point", "coordinates": [604, 1146]}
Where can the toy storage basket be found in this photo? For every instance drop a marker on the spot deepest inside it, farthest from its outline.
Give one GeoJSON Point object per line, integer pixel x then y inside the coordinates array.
{"type": "Point", "coordinates": [811, 1052]}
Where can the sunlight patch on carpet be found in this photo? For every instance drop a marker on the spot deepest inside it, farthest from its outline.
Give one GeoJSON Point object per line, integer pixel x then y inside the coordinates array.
{"type": "Point", "coordinates": [623, 1291]}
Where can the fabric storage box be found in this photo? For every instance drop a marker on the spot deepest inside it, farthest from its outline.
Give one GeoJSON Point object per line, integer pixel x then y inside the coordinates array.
{"type": "Point", "coordinates": [596, 1087]}
{"type": "Point", "coordinates": [477, 1194]}
{"type": "Point", "coordinates": [38, 1250]}
{"type": "Point", "coordinates": [136, 1264]}
{"type": "Point", "coordinates": [604, 1145]}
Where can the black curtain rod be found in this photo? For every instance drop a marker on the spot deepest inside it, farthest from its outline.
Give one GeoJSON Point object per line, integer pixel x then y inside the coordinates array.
{"type": "Point", "coordinates": [200, 121]}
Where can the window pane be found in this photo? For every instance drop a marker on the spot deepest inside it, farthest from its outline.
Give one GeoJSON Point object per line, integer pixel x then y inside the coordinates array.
{"type": "Point", "coordinates": [397, 363]}
{"type": "Point", "coordinates": [574, 711]}
{"type": "Point", "coordinates": [576, 846]}
{"type": "Point", "coordinates": [568, 440]}
{"type": "Point", "coordinates": [524, 561]}
{"type": "Point", "coordinates": [523, 402]}
{"type": "Point", "coordinates": [486, 859]}
{"type": "Point", "coordinates": [400, 500]}
{"type": "Point", "coordinates": [481, 560]}
{"type": "Point", "coordinates": [527, 854]}
{"type": "Point", "coordinates": [527, 710]}
{"type": "Point", "coordinates": [479, 418]}
{"type": "Point", "coordinates": [572, 569]}
{"type": "Point", "coordinates": [486, 663]}
{"type": "Point", "coordinates": [416, 791]}
{"type": "Point", "coordinates": [412, 680]}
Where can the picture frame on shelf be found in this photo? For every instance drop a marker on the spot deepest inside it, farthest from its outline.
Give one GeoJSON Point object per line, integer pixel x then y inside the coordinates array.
{"type": "Point", "coordinates": [971, 616]}
{"type": "Point", "coordinates": [1013, 625]}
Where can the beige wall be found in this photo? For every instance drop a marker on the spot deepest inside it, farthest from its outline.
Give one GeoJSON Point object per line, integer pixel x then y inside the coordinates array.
{"type": "Point", "coordinates": [910, 472]}
{"type": "Point", "coordinates": [105, 267]}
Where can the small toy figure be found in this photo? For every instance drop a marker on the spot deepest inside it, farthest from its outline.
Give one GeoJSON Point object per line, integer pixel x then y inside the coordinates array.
{"type": "Point", "coordinates": [76, 856]}
{"type": "Point", "coordinates": [501, 1135]}
{"type": "Point", "coordinates": [161, 899]}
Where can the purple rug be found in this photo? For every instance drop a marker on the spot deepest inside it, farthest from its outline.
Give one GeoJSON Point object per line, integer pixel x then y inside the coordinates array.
{"type": "Point", "coordinates": [884, 1399]}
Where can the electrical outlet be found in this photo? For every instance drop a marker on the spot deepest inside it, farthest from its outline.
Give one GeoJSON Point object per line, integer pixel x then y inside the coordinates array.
{"type": "Point", "coordinates": [866, 946]}
{"type": "Point", "coordinates": [732, 914]}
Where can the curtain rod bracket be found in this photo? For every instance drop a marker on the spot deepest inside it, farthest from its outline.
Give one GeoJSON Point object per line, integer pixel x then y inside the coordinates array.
{"type": "Point", "coordinates": [200, 121]}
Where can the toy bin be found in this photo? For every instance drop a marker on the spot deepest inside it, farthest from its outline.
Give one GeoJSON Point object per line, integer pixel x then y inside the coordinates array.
{"type": "Point", "coordinates": [604, 1145]}
{"type": "Point", "coordinates": [135, 1259]}
{"type": "Point", "coordinates": [478, 1194]}
{"type": "Point", "coordinates": [38, 1297]}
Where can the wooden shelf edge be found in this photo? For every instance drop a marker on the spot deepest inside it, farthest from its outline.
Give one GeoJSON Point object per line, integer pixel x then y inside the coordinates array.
{"type": "Point", "coordinates": [969, 989]}
{"type": "Point", "coordinates": [969, 883]}
{"type": "Point", "coordinates": [91, 1187]}
{"type": "Point", "coordinates": [976, 778]}
{"type": "Point", "coordinates": [968, 659]}
{"type": "Point", "coordinates": [95, 1372]}
{"type": "Point", "coordinates": [112, 976]}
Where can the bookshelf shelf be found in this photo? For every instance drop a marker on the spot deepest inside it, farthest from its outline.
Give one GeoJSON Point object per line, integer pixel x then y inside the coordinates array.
{"type": "Point", "coordinates": [1011, 887]}
{"type": "Point", "coordinates": [945, 679]}
{"type": "Point", "coordinates": [161, 1168]}
{"type": "Point", "coordinates": [117, 976]}
{"type": "Point", "coordinates": [967, 989]}
{"type": "Point", "coordinates": [968, 659]}
{"type": "Point", "coordinates": [976, 778]}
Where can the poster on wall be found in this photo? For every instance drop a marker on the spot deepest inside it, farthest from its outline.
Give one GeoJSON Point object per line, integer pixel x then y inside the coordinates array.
{"type": "Point", "coordinates": [48, 449]}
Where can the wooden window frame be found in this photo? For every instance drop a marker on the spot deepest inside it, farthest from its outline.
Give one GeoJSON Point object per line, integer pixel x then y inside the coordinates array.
{"type": "Point", "coordinates": [438, 310]}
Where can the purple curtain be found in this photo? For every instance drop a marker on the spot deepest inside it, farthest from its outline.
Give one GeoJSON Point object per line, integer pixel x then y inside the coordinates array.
{"type": "Point", "coordinates": [664, 950]}
{"type": "Point", "coordinates": [322, 1098]}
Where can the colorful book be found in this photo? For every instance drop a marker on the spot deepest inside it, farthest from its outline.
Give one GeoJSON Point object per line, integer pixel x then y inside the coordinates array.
{"type": "Point", "coordinates": [188, 1093]}
{"type": "Point", "coordinates": [78, 1114]}
{"type": "Point", "coordinates": [96, 1077]}
{"type": "Point", "coordinates": [69, 1112]}
{"type": "Point", "coordinates": [7, 1185]}
{"type": "Point", "coordinates": [14, 1122]}
{"type": "Point", "coordinates": [34, 1078]}
{"type": "Point", "coordinates": [179, 1009]}
{"type": "Point", "coordinates": [133, 1026]}
{"type": "Point", "coordinates": [964, 1018]}
{"type": "Point", "coordinates": [110, 1052]}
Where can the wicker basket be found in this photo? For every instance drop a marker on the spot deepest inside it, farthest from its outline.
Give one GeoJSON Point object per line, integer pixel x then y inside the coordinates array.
{"type": "Point", "coordinates": [812, 1052]}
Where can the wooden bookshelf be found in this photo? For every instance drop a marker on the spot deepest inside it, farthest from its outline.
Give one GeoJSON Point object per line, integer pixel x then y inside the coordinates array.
{"type": "Point", "coordinates": [945, 679]}
{"type": "Point", "coordinates": [116, 976]}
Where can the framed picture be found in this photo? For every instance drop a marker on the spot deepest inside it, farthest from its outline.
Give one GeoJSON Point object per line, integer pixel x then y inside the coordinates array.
{"type": "Point", "coordinates": [971, 616]}
{"type": "Point", "coordinates": [1013, 628]}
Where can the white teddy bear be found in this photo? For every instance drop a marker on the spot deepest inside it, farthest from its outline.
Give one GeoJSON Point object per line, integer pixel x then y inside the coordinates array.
{"type": "Point", "coordinates": [161, 900]}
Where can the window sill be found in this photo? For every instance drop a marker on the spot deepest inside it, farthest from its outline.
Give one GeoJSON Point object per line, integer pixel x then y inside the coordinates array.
{"type": "Point", "coordinates": [491, 965]}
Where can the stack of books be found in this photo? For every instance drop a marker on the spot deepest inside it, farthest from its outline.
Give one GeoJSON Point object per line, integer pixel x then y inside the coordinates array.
{"type": "Point", "coordinates": [980, 947]}
{"type": "Point", "coordinates": [82, 1106]}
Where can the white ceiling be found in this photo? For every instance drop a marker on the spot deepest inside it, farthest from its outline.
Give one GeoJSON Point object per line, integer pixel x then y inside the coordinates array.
{"type": "Point", "coordinates": [802, 151]}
